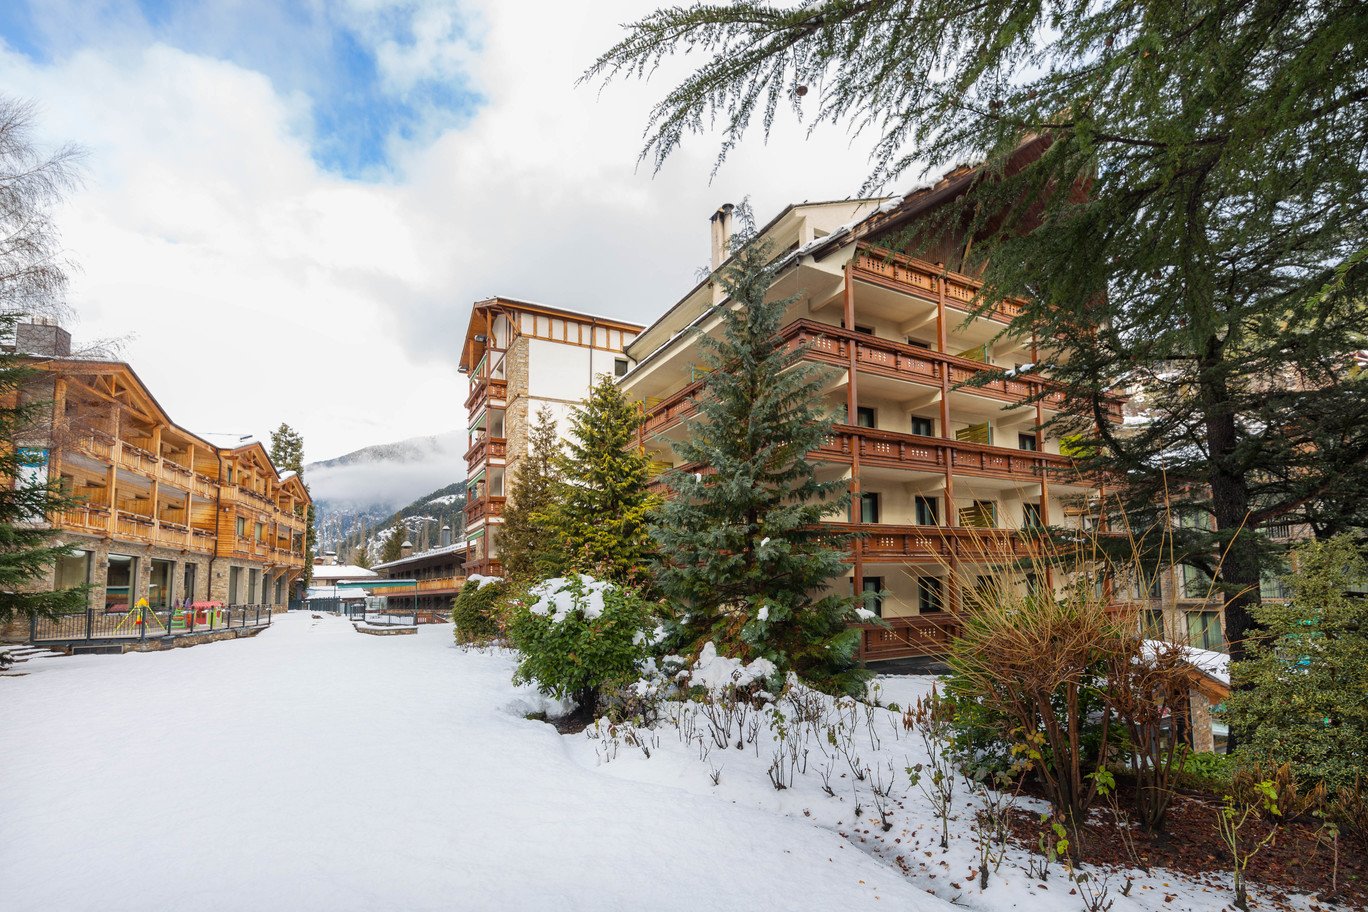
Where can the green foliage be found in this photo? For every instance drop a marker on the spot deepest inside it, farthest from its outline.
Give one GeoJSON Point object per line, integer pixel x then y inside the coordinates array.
{"type": "Point", "coordinates": [1217, 258]}
{"type": "Point", "coordinates": [601, 506]}
{"type": "Point", "coordinates": [287, 455]}
{"type": "Point", "coordinates": [1300, 695]}
{"type": "Point", "coordinates": [477, 612]}
{"type": "Point", "coordinates": [393, 549]}
{"type": "Point", "coordinates": [526, 548]}
{"type": "Point", "coordinates": [742, 558]}
{"type": "Point", "coordinates": [1209, 772]}
{"type": "Point", "coordinates": [599, 640]}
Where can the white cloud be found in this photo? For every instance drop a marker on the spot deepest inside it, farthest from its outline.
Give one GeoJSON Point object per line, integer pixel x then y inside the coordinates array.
{"type": "Point", "coordinates": [262, 289]}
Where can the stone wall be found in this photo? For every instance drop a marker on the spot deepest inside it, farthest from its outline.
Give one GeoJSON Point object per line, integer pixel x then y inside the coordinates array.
{"type": "Point", "coordinates": [517, 421]}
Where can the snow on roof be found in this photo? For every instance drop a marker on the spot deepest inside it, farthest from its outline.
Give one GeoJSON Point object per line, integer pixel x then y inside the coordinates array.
{"type": "Point", "coordinates": [287, 475]}
{"type": "Point", "coordinates": [341, 571]}
{"type": "Point", "coordinates": [332, 592]}
{"type": "Point", "coordinates": [1215, 665]}
{"type": "Point", "coordinates": [230, 441]}
{"type": "Point", "coordinates": [456, 548]}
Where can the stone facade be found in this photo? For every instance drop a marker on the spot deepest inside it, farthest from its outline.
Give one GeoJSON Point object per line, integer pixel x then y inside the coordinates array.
{"type": "Point", "coordinates": [517, 421]}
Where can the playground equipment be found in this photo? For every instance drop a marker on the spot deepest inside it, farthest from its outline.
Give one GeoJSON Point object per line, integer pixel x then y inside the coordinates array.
{"type": "Point", "coordinates": [140, 614]}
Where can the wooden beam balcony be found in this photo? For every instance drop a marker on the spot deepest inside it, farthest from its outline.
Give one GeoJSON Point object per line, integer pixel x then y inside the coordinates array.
{"type": "Point", "coordinates": [136, 459]}
{"type": "Point", "coordinates": [485, 508]}
{"type": "Point", "coordinates": [485, 566]}
{"type": "Point", "coordinates": [485, 448]}
{"type": "Point", "coordinates": [671, 409]}
{"type": "Point", "coordinates": [934, 454]}
{"type": "Point", "coordinates": [92, 519]}
{"type": "Point", "coordinates": [904, 637]}
{"type": "Point", "coordinates": [433, 584]}
{"type": "Point", "coordinates": [888, 542]}
{"type": "Point", "coordinates": [485, 389]}
{"type": "Point", "coordinates": [898, 272]}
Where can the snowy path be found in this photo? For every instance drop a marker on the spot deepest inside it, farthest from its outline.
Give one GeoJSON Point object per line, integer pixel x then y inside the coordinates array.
{"type": "Point", "coordinates": [314, 768]}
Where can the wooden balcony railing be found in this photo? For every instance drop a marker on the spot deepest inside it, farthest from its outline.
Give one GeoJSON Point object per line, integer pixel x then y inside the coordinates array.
{"type": "Point", "coordinates": [486, 448]}
{"type": "Point", "coordinates": [484, 508]}
{"type": "Point", "coordinates": [483, 390]}
{"type": "Point", "coordinates": [919, 635]}
{"type": "Point", "coordinates": [92, 518]}
{"type": "Point", "coordinates": [433, 584]}
{"type": "Point", "coordinates": [913, 276]}
{"type": "Point", "coordinates": [885, 541]}
{"type": "Point", "coordinates": [136, 459]}
{"type": "Point", "coordinates": [908, 451]}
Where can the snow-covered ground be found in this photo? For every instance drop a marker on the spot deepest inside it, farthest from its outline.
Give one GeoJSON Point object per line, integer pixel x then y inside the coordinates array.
{"type": "Point", "coordinates": [316, 768]}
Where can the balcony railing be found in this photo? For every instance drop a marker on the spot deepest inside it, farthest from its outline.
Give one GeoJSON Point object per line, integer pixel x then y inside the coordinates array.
{"type": "Point", "coordinates": [906, 274]}
{"type": "Point", "coordinates": [485, 389]}
{"type": "Point", "coordinates": [885, 541]}
{"type": "Point", "coordinates": [486, 448]}
{"type": "Point", "coordinates": [919, 635]}
{"type": "Point", "coordinates": [935, 454]}
{"type": "Point", "coordinates": [484, 508]}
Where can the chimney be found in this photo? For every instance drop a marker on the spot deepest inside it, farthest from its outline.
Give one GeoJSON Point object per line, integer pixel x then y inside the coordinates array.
{"type": "Point", "coordinates": [44, 339]}
{"type": "Point", "coordinates": [406, 548]}
{"type": "Point", "coordinates": [721, 234]}
{"type": "Point", "coordinates": [446, 536]}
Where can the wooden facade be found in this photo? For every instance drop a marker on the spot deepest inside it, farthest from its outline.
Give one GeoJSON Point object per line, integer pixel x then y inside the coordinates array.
{"type": "Point", "coordinates": [191, 518]}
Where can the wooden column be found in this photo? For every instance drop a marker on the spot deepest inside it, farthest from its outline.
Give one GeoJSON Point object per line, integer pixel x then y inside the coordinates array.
{"type": "Point", "coordinates": [951, 518]}
{"type": "Point", "coordinates": [852, 418]}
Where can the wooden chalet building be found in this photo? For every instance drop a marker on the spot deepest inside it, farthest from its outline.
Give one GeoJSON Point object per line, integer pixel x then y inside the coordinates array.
{"type": "Point", "coordinates": [162, 513]}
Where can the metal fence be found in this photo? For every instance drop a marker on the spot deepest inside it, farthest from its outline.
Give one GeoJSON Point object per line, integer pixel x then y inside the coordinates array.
{"type": "Point", "coordinates": [146, 623]}
{"type": "Point", "coordinates": [374, 611]}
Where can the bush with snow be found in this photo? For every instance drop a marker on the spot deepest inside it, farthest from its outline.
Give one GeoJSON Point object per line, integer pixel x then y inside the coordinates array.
{"type": "Point", "coordinates": [577, 635]}
{"type": "Point", "coordinates": [476, 610]}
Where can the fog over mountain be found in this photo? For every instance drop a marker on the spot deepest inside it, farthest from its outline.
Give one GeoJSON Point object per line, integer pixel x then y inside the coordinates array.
{"type": "Point", "coordinates": [388, 475]}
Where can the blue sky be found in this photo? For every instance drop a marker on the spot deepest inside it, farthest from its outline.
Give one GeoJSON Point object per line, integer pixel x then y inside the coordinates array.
{"type": "Point", "coordinates": [325, 52]}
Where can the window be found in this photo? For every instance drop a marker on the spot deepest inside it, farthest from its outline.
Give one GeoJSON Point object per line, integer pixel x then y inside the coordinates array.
{"type": "Point", "coordinates": [866, 417]}
{"type": "Point", "coordinates": [241, 527]}
{"type": "Point", "coordinates": [619, 367]}
{"type": "Point", "coordinates": [234, 584]}
{"type": "Point", "coordinates": [927, 510]}
{"type": "Point", "coordinates": [870, 587]}
{"type": "Point", "coordinates": [1030, 516]}
{"type": "Point", "coordinates": [867, 330]}
{"type": "Point", "coordinates": [1204, 630]}
{"type": "Point", "coordinates": [1026, 442]}
{"type": "Point", "coordinates": [918, 343]}
{"type": "Point", "coordinates": [1272, 585]}
{"type": "Point", "coordinates": [253, 586]}
{"type": "Point", "coordinates": [159, 583]}
{"type": "Point", "coordinates": [1196, 583]}
{"type": "Point", "coordinates": [120, 582]}
{"type": "Point", "coordinates": [930, 594]}
{"type": "Point", "coordinates": [923, 427]}
{"type": "Point", "coordinates": [73, 569]}
{"type": "Point", "coordinates": [230, 474]}
{"type": "Point", "coordinates": [191, 571]}
{"type": "Point", "coordinates": [260, 531]}
{"type": "Point", "coordinates": [1152, 624]}
{"type": "Point", "coordinates": [869, 508]}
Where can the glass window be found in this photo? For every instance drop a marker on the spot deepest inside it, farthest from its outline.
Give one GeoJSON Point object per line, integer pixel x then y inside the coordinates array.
{"type": "Point", "coordinates": [866, 417]}
{"type": "Point", "coordinates": [619, 367]}
{"type": "Point", "coordinates": [1030, 516]}
{"type": "Point", "coordinates": [191, 570]}
{"type": "Point", "coordinates": [867, 330]}
{"type": "Point", "coordinates": [120, 581]}
{"type": "Point", "coordinates": [930, 594]}
{"type": "Point", "coordinates": [918, 343]}
{"type": "Point", "coordinates": [1026, 442]}
{"type": "Point", "coordinates": [234, 584]}
{"type": "Point", "coordinates": [1152, 624]}
{"type": "Point", "coordinates": [870, 587]}
{"type": "Point", "coordinates": [1204, 630]}
{"type": "Point", "coordinates": [927, 511]}
{"type": "Point", "coordinates": [923, 427]}
{"type": "Point", "coordinates": [253, 586]}
{"type": "Point", "coordinates": [241, 527]}
{"type": "Point", "coordinates": [159, 583]}
{"type": "Point", "coordinates": [73, 569]}
{"type": "Point", "coordinates": [869, 508]}
{"type": "Point", "coordinates": [1196, 582]}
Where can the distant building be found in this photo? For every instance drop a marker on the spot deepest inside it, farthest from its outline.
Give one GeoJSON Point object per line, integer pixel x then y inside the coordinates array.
{"type": "Point", "coordinates": [521, 357]}
{"type": "Point", "coordinates": [436, 574]}
{"type": "Point", "coordinates": [163, 514]}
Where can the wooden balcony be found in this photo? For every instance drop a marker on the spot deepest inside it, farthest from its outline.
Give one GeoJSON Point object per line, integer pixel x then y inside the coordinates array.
{"type": "Point", "coordinates": [90, 518]}
{"type": "Point", "coordinates": [670, 410]}
{"type": "Point", "coordinates": [136, 459]}
{"type": "Point", "coordinates": [436, 584]}
{"type": "Point", "coordinates": [483, 390]}
{"type": "Point", "coordinates": [485, 448]}
{"type": "Point", "coordinates": [477, 511]}
{"type": "Point", "coordinates": [935, 454]}
{"type": "Point", "coordinates": [904, 637]}
{"type": "Point", "coordinates": [879, 266]}
{"type": "Point", "coordinates": [485, 566]}
{"type": "Point", "coordinates": [888, 542]}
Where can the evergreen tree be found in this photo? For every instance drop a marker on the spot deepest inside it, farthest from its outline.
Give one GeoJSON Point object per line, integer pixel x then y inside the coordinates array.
{"type": "Point", "coordinates": [743, 560]}
{"type": "Point", "coordinates": [1214, 254]}
{"type": "Point", "coordinates": [360, 555]}
{"type": "Point", "coordinates": [287, 454]}
{"type": "Point", "coordinates": [32, 281]}
{"type": "Point", "coordinates": [602, 504]}
{"type": "Point", "coordinates": [526, 548]}
{"type": "Point", "coordinates": [1308, 670]}
{"type": "Point", "coordinates": [393, 548]}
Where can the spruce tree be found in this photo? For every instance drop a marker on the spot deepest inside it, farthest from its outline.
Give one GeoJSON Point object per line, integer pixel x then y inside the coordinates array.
{"type": "Point", "coordinates": [743, 557]}
{"type": "Point", "coordinates": [1214, 253]}
{"type": "Point", "coordinates": [526, 548]}
{"type": "Point", "coordinates": [287, 455]}
{"type": "Point", "coordinates": [602, 502]}
{"type": "Point", "coordinates": [393, 549]}
{"type": "Point", "coordinates": [32, 282]}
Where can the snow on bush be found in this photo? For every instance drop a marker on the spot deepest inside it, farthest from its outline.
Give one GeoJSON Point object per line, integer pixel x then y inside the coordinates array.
{"type": "Point", "coordinates": [481, 580]}
{"type": "Point", "coordinates": [560, 595]}
{"type": "Point", "coordinates": [716, 673]}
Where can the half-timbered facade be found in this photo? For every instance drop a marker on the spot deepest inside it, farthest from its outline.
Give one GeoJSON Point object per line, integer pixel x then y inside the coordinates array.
{"type": "Point", "coordinates": [161, 513]}
{"type": "Point", "coordinates": [522, 357]}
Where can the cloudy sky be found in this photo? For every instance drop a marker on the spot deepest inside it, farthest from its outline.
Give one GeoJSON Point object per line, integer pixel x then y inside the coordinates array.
{"type": "Point", "coordinates": [289, 206]}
